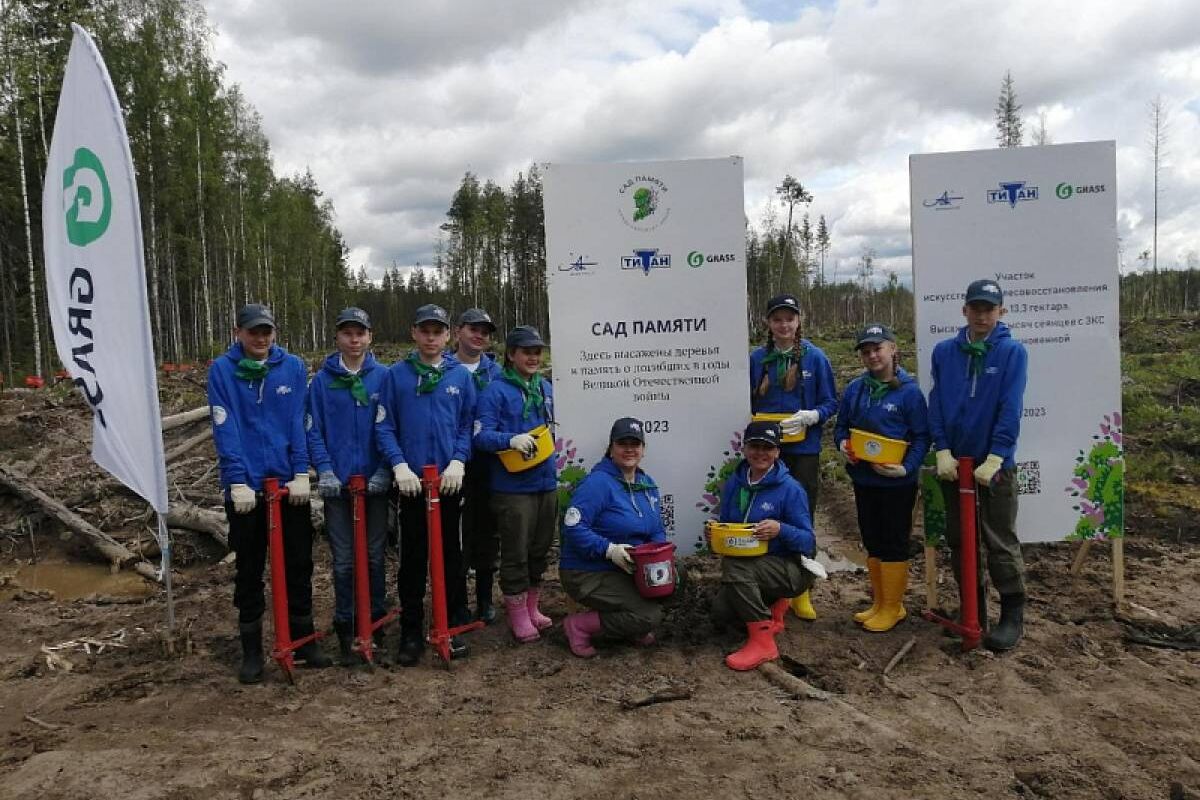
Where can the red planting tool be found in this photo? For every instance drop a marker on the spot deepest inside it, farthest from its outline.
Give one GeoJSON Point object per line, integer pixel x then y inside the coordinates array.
{"type": "Point", "coordinates": [364, 625]}
{"type": "Point", "coordinates": [273, 495]}
{"type": "Point", "coordinates": [440, 632]}
{"type": "Point", "coordinates": [969, 628]}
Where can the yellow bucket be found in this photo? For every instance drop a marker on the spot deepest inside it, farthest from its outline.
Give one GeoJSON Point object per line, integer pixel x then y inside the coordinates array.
{"type": "Point", "coordinates": [735, 539]}
{"type": "Point", "coordinates": [876, 448]}
{"type": "Point", "coordinates": [787, 438]}
{"type": "Point", "coordinates": [516, 461]}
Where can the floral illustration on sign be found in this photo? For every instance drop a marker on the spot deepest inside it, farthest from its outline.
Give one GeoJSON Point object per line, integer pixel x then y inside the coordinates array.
{"type": "Point", "coordinates": [933, 503]}
{"type": "Point", "coordinates": [1098, 480]}
{"type": "Point", "coordinates": [570, 472]}
{"type": "Point", "coordinates": [710, 500]}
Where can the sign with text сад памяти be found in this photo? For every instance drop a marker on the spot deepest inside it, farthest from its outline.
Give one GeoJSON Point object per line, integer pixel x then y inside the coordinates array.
{"type": "Point", "coordinates": [647, 279]}
{"type": "Point", "coordinates": [1041, 222]}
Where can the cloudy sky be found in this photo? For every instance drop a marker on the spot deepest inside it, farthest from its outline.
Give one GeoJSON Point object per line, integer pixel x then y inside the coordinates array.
{"type": "Point", "coordinates": [389, 103]}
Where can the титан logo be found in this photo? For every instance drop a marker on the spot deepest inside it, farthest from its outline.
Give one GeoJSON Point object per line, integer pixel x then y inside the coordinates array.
{"type": "Point", "coordinates": [87, 200]}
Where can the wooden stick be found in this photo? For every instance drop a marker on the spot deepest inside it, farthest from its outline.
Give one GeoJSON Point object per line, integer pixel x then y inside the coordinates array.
{"type": "Point", "coordinates": [179, 420]}
{"type": "Point", "coordinates": [1118, 566]}
{"type": "Point", "coordinates": [194, 518]}
{"type": "Point", "coordinates": [660, 696]}
{"type": "Point", "coordinates": [802, 690]}
{"type": "Point", "coordinates": [188, 445]}
{"type": "Point", "coordinates": [50, 726]}
{"type": "Point", "coordinates": [900, 654]}
{"type": "Point", "coordinates": [1077, 565]}
{"type": "Point", "coordinates": [931, 576]}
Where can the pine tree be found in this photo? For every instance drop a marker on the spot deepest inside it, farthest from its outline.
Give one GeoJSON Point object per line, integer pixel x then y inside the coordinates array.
{"type": "Point", "coordinates": [1008, 116]}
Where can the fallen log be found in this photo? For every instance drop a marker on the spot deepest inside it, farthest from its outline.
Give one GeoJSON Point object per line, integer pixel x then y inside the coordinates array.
{"type": "Point", "coordinates": [194, 518]}
{"type": "Point", "coordinates": [188, 445]}
{"type": "Point", "coordinates": [117, 554]}
{"type": "Point", "coordinates": [179, 420]}
{"type": "Point", "coordinates": [803, 690]}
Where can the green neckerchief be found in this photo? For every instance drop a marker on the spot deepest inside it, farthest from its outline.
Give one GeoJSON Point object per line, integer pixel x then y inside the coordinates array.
{"type": "Point", "coordinates": [250, 370]}
{"type": "Point", "coordinates": [531, 390]}
{"type": "Point", "coordinates": [480, 377]}
{"type": "Point", "coordinates": [977, 351]}
{"type": "Point", "coordinates": [354, 382]}
{"type": "Point", "coordinates": [876, 387]}
{"type": "Point", "coordinates": [782, 359]}
{"type": "Point", "coordinates": [745, 498]}
{"type": "Point", "coordinates": [428, 376]}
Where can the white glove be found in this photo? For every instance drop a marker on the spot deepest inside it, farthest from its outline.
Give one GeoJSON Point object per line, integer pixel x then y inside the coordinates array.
{"type": "Point", "coordinates": [525, 443]}
{"type": "Point", "coordinates": [985, 473]}
{"type": "Point", "coordinates": [947, 465]}
{"type": "Point", "coordinates": [813, 566]}
{"type": "Point", "coordinates": [242, 497]}
{"type": "Point", "coordinates": [298, 489]}
{"type": "Point", "coordinates": [407, 481]}
{"type": "Point", "coordinates": [890, 470]}
{"type": "Point", "coordinates": [804, 418]}
{"type": "Point", "coordinates": [847, 452]}
{"type": "Point", "coordinates": [618, 554]}
{"type": "Point", "coordinates": [452, 477]}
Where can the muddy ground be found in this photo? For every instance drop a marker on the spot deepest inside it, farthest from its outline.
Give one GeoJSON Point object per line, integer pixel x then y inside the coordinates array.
{"type": "Point", "coordinates": [1077, 711]}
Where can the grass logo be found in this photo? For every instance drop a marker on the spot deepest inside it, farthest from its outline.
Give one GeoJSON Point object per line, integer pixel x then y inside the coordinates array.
{"type": "Point", "coordinates": [1064, 191]}
{"type": "Point", "coordinates": [695, 259]}
{"type": "Point", "coordinates": [87, 199]}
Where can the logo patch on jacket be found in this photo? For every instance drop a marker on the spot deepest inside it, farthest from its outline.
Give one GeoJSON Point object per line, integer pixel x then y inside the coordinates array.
{"type": "Point", "coordinates": [452, 390]}
{"type": "Point", "coordinates": [284, 389]}
{"type": "Point", "coordinates": [892, 407]}
{"type": "Point", "coordinates": [767, 506]}
{"type": "Point", "coordinates": [991, 370]}
{"type": "Point", "coordinates": [380, 414]}
{"type": "Point", "coordinates": [308, 422]}
{"type": "Point", "coordinates": [218, 414]}
{"type": "Point", "coordinates": [478, 427]}
{"type": "Point", "coordinates": [572, 517]}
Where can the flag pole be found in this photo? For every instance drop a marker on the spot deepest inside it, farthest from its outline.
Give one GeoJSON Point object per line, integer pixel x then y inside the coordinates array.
{"type": "Point", "coordinates": [164, 540]}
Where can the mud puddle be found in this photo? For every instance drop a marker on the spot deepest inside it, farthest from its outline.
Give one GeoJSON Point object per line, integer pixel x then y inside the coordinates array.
{"type": "Point", "coordinates": [71, 581]}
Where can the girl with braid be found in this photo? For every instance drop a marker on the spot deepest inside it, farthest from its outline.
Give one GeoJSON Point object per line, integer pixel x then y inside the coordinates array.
{"type": "Point", "coordinates": [792, 375]}
{"type": "Point", "coordinates": [887, 401]}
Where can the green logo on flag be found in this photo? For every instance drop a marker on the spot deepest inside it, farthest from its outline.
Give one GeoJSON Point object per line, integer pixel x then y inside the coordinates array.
{"type": "Point", "coordinates": [86, 199]}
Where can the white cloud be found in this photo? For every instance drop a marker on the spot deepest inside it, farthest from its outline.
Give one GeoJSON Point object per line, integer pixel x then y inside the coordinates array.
{"type": "Point", "coordinates": [389, 104]}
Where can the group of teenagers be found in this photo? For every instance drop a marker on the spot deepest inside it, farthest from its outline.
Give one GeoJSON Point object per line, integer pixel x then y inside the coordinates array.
{"type": "Point", "coordinates": [457, 409]}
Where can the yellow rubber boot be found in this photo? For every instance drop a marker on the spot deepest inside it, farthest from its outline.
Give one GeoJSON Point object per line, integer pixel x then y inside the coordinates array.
{"type": "Point", "coordinates": [894, 582]}
{"type": "Point", "coordinates": [802, 606]}
{"type": "Point", "coordinates": [876, 591]}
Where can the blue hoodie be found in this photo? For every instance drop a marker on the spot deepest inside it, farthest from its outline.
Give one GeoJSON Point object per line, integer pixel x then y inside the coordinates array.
{"type": "Point", "coordinates": [777, 496]}
{"type": "Point", "coordinates": [487, 372]}
{"type": "Point", "coordinates": [258, 425]}
{"type": "Point", "coordinates": [341, 431]}
{"type": "Point", "coordinates": [899, 414]}
{"type": "Point", "coordinates": [435, 427]}
{"type": "Point", "coordinates": [605, 509]}
{"type": "Point", "coordinates": [815, 389]}
{"type": "Point", "coordinates": [977, 415]}
{"type": "Point", "coordinates": [498, 418]}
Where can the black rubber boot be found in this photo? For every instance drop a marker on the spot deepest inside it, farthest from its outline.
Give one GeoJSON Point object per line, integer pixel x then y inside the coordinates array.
{"type": "Point", "coordinates": [458, 648]}
{"type": "Point", "coordinates": [1011, 626]}
{"type": "Point", "coordinates": [485, 610]}
{"type": "Point", "coordinates": [309, 655]}
{"type": "Point", "coordinates": [252, 652]}
{"type": "Point", "coordinates": [345, 635]}
{"type": "Point", "coordinates": [412, 647]}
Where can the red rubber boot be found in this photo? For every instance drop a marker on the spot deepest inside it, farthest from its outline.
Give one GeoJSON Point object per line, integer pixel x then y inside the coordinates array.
{"type": "Point", "coordinates": [758, 649]}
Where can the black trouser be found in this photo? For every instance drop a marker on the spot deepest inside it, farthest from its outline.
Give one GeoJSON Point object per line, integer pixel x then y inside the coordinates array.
{"type": "Point", "coordinates": [480, 537]}
{"type": "Point", "coordinates": [806, 469]}
{"type": "Point", "coordinates": [885, 519]}
{"type": "Point", "coordinates": [414, 560]}
{"type": "Point", "coordinates": [248, 540]}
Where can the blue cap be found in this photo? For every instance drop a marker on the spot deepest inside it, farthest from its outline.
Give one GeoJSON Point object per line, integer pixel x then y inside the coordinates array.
{"type": "Point", "coordinates": [627, 428]}
{"type": "Point", "coordinates": [986, 290]}
{"type": "Point", "coordinates": [353, 315]}
{"type": "Point", "coordinates": [874, 333]}
{"type": "Point", "coordinates": [254, 314]}
{"type": "Point", "coordinates": [476, 316]}
{"type": "Point", "coordinates": [762, 431]}
{"type": "Point", "coordinates": [783, 301]}
{"type": "Point", "coordinates": [523, 336]}
{"type": "Point", "coordinates": [432, 313]}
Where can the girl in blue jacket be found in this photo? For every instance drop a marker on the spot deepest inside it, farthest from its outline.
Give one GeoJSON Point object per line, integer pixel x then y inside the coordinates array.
{"type": "Point", "coordinates": [256, 398]}
{"type": "Point", "coordinates": [884, 400]}
{"type": "Point", "coordinates": [425, 417]}
{"type": "Point", "coordinates": [524, 504]}
{"type": "Point", "coordinates": [614, 509]}
{"type": "Point", "coordinates": [791, 375]}
{"type": "Point", "coordinates": [755, 591]}
{"type": "Point", "coordinates": [342, 402]}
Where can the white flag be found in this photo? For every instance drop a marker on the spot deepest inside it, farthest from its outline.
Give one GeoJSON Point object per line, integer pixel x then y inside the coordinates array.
{"type": "Point", "coordinates": [95, 278]}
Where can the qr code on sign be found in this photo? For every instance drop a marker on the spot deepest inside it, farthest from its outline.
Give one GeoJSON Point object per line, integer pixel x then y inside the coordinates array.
{"type": "Point", "coordinates": [666, 509]}
{"type": "Point", "coordinates": [1029, 477]}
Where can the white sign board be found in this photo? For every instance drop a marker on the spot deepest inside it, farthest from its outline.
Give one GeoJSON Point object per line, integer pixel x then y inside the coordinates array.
{"type": "Point", "coordinates": [647, 278]}
{"type": "Point", "coordinates": [1041, 222]}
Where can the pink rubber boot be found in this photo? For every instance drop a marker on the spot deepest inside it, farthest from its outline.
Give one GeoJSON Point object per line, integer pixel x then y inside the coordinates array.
{"type": "Point", "coordinates": [539, 620]}
{"type": "Point", "coordinates": [518, 618]}
{"type": "Point", "coordinates": [580, 628]}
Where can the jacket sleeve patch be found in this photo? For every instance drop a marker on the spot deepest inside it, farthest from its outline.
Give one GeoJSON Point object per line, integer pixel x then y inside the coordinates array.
{"type": "Point", "coordinates": [218, 414]}
{"type": "Point", "coordinates": [380, 414]}
{"type": "Point", "coordinates": [572, 517]}
{"type": "Point", "coordinates": [308, 422]}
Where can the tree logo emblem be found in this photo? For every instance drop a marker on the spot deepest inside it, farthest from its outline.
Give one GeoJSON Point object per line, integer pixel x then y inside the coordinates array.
{"type": "Point", "coordinates": [87, 200]}
{"type": "Point", "coordinates": [644, 203]}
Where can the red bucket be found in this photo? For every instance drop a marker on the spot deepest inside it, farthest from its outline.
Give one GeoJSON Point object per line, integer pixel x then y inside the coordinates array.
{"type": "Point", "coordinates": [654, 569]}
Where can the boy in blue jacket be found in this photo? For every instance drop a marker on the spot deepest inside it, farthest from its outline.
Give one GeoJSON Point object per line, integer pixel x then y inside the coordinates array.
{"type": "Point", "coordinates": [342, 402]}
{"type": "Point", "coordinates": [481, 541]}
{"type": "Point", "coordinates": [256, 398]}
{"type": "Point", "coordinates": [615, 508]}
{"type": "Point", "coordinates": [755, 591]}
{"type": "Point", "coordinates": [425, 417]}
{"type": "Point", "coordinates": [525, 504]}
{"type": "Point", "coordinates": [975, 409]}
{"type": "Point", "coordinates": [884, 400]}
{"type": "Point", "coordinates": [791, 375]}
